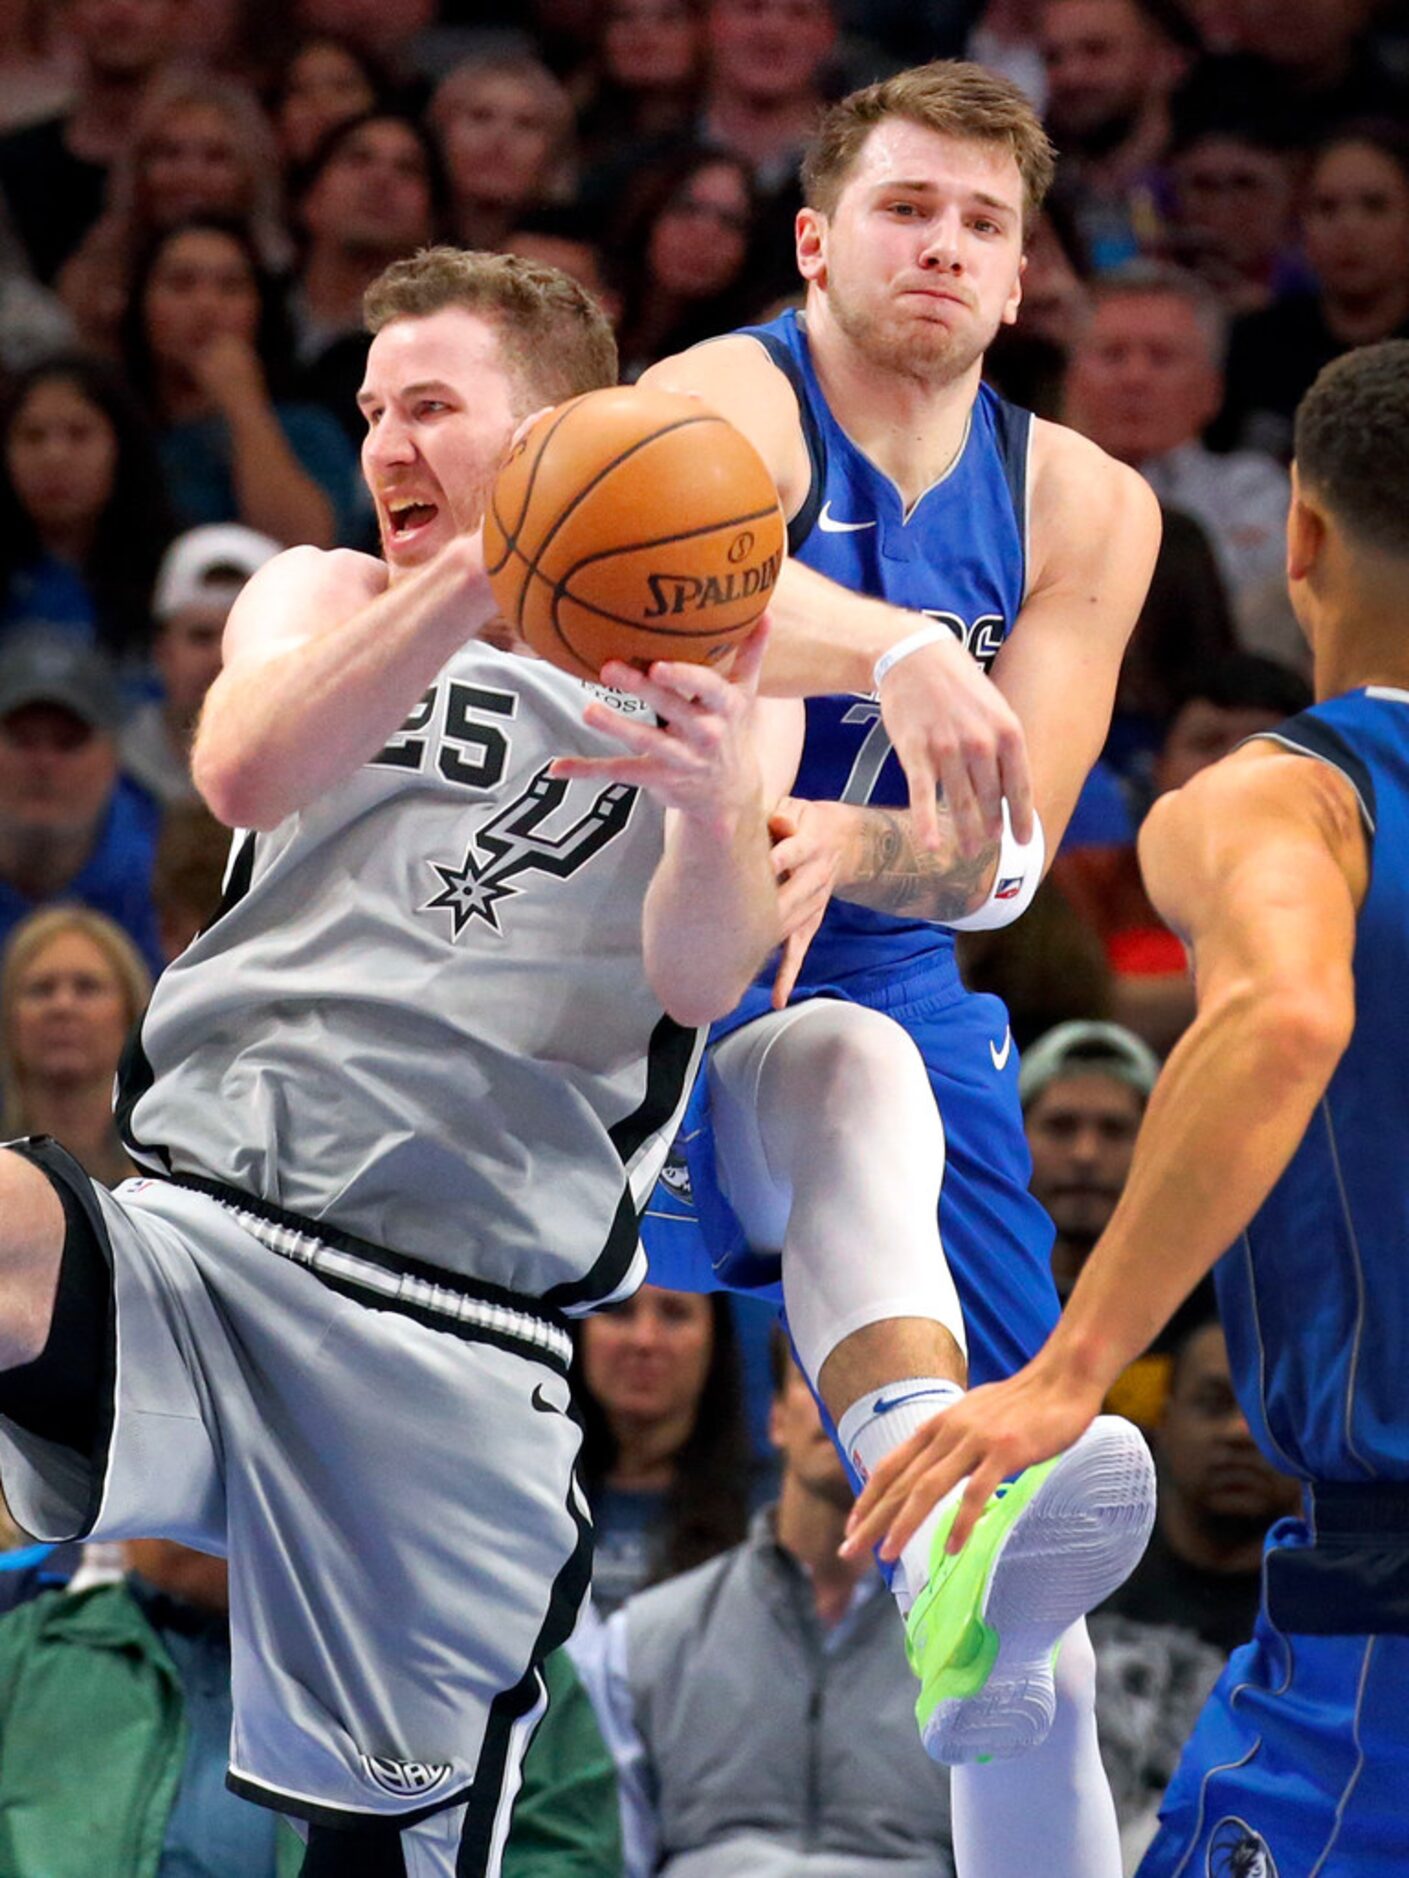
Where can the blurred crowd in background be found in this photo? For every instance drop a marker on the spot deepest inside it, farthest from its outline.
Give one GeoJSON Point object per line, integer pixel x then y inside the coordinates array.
{"type": "Point", "coordinates": [193, 196]}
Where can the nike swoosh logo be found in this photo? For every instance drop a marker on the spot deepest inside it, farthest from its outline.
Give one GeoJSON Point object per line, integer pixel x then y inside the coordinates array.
{"type": "Point", "coordinates": [831, 527]}
{"type": "Point", "coordinates": [1000, 1057]}
{"type": "Point", "coordinates": [883, 1404]}
{"type": "Point", "coordinates": [541, 1403]}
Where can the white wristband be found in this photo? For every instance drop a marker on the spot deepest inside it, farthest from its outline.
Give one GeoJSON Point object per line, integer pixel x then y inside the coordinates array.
{"type": "Point", "coordinates": [1015, 879]}
{"type": "Point", "coordinates": [891, 657]}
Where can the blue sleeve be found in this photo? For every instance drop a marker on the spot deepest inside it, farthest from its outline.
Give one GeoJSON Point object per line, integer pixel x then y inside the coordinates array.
{"type": "Point", "coordinates": [1101, 817]}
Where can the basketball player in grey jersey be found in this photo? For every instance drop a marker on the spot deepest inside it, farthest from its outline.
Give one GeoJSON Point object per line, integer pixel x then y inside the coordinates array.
{"type": "Point", "coordinates": [399, 1104]}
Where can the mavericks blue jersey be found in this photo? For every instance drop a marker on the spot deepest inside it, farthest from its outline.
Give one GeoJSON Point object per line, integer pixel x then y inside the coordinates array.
{"type": "Point", "coordinates": [1315, 1298]}
{"type": "Point", "coordinates": [959, 555]}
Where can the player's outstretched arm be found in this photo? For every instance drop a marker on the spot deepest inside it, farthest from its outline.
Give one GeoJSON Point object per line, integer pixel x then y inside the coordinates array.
{"type": "Point", "coordinates": [1261, 862]}
{"type": "Point", "coordinates": [322, 662]}
{"type": "Point", "coordinates": [716, 758]}
{"type": "Point", "coordinates": [950, 727]}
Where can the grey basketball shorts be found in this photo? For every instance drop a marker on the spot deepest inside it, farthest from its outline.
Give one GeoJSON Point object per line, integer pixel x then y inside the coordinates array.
{"type": "Point", "coordinates": [383, 1453]}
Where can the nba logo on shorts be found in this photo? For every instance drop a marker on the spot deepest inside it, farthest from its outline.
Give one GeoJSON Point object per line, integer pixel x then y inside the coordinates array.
{"type": "Point", "coordinates": [406, 1779]}
{"type": "Point", "coordinates": [1236, 1851]}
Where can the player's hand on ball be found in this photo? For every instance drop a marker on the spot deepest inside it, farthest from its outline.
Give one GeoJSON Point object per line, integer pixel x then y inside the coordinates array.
{"type": "Point", "coordinates": [806, 861]}
{"type": "Point", "coordinates": [701, 761]}
{"type": "Point", "coordinates": [993, 1433]}
{"type": "Point", "coordinates": [951, 727]}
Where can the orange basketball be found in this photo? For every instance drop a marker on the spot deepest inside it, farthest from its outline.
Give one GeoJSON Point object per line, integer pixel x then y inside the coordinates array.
{"type": "Point", "coordinates": [634, 525]}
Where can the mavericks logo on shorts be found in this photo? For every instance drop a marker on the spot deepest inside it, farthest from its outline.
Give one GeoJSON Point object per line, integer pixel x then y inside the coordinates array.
{"type": "Point", "coordinates": [1236, 1851]}
{"type": "Point", "coordinates": [408, 1780]}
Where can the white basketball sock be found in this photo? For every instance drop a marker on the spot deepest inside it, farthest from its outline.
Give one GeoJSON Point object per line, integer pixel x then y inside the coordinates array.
{"type": "Point", "coordinates": [875, 1426]}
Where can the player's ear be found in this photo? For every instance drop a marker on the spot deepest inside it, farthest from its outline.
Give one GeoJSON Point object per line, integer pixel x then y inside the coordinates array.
{"type": "Point", "coordinates": [1306, 533]}
{"type": "Point", "coordinates": [811, 234]}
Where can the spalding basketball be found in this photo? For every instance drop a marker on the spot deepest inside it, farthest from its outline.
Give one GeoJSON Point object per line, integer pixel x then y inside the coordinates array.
{"type": "Point", "coordinates": [636, 525]}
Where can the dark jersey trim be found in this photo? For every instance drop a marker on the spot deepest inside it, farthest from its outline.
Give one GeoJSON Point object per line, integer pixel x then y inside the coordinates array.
{"type": "Point", "coordinates": [669, 1056]}
{"type": "Point", "coordinates": [801, 524]}
{"type": "Point", "coordinates": [569, 1590]}
{"type": "Point", "coordinates": [340, 1819]}
{"type": "Point", "coordinates": [1013, 432]}
{"type": "Point", "coordinates": [1313, 736]}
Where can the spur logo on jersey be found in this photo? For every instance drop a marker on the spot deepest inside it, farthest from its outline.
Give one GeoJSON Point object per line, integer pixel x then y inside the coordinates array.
{"type": "Point", "coordinates": [408, 1780]}
{"type": "Point", "coordinates": [518, 841]}
{"type": "Point", "coordinates": [982, 638]}
{"type": "Point", "coordinates": [1236, 1851]}
{"type": "Point", "coordinates": [675, 1175]}
{"type": "Point", "coordinates": [695, 593]}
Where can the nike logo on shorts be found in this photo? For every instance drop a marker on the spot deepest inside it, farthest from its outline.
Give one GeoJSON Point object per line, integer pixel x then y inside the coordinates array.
{"type": "Point", "coordinates": [1000, 1057]}
{"type": "Point", "coordinates": [829, 526]}
{"type": "Point", "coordinates": [540, 1401]}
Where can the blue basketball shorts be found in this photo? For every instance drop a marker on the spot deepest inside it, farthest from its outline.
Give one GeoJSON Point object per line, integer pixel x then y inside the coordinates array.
{"type": "Point", "coordinates": [997, 1239]}
{"type": "Point", "coordinates": [1298, 1766]}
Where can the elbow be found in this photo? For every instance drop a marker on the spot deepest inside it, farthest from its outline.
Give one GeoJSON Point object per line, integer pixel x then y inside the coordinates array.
{"type": "Point", "coordinates": [230, 787]}
{"type": "Point", "coordinates": [1305, 1030]}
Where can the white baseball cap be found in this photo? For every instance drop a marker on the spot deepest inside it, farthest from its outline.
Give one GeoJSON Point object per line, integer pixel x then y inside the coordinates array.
{"type": "Point", "coordinates": [209, 564]}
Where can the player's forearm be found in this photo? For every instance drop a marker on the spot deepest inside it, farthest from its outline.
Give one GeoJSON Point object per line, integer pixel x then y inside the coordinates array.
{"type": "Point", "coordinates": [1223, 1122]}
{"type": "Point", "coordinates": [711, 916]}
{"type": "Point", "coordinates": [275, 734]}
{"type": "Point", "coordinates": [274, 492]}
{"type": "Point", "coordinates": [883, 867]}
{"type": "Point", "coordinates": [825, 638]}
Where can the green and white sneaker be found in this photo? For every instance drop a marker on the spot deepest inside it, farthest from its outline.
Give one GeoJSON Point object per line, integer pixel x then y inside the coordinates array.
{"type": "Point", "coordinates": [982, 1635]}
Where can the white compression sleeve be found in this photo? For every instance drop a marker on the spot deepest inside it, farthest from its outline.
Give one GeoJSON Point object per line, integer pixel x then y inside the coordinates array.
{"type": "Point", "coordinates": [831, 1151]}
{"type": "Point", "coordinates": [1050, 1810]}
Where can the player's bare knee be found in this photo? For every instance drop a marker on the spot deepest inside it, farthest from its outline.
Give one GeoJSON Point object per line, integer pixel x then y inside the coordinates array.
{"type": "Point", "coordinates": [31, 1247]}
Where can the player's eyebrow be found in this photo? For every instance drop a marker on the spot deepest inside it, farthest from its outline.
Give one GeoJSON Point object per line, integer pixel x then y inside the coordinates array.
{"type": "Point", "coordinates": [365, 398]}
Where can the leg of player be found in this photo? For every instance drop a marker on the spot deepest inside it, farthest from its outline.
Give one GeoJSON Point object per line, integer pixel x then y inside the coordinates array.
{"type": "Point", "coordinates": [831, 1148]}
{"type": "Point", "coordinates": [31, 1246]}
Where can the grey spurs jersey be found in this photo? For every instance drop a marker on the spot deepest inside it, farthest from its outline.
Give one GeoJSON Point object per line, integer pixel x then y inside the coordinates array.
{"type": "Point", "coordinates": [422, 1016]}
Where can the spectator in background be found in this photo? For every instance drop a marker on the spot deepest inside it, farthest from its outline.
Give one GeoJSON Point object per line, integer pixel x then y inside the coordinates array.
{"type": "Point", "coordinates": [1084, 1087]}
{"type": "Point", "coordinates": [70, 829]}
{"type": "Point", "coordinates": [207, 345]}
{"type": "Point", "coordinates": [34, 322]}
{"type": "Point", "coordinates": [1111, 67]}
{"type": "Point", "coordinates": [761, 1707]}
{"type": "Point", "coordinates": [665, 1453]}
{"type": "Point", "coordinates": [71, 988]}
{"type": "Point", "coordinates": [372, 193]}
{"type": "Point", "coordinates": [83, 512]}
{"type": "Point", "coordinates": [115, 1718]}
{"type": "Point", "coordinates": [1144, 380]}
{"type": "Point", "coordinates": [200, 575]}
{"type": "Point", "coordinates": [188, 875]}
{"type": "Point", "coordinates": [649, 66]}
{"type": "Point", "coordinates": [1232, 214]}
{"type": "Point", "coordinates": [389, 33]}
{"type": "Point", "coordinates": [685, 244]}
{"type": "Point", "coordinates": [565, 237]}
{"type": "Point", "coordinates": [325, 80]}
{"type": "Point", "coordinates": [1355, 230]}
{"type": "Point", "coordinates": [1218, 1498]}
{"type": "Point", "coordinates": [36, 77]}
{"type": "Point", "coordinates": [200, 146]}
{"type": "Point", "coordinates": [1238, 696]}
{"type": "Point", "coordinates": [505, 127]}
{"type": "Point", "coordinates": [1005, 39]}
{"type": "Point", "coordinates": [1163, 1637]}
{"type": "Point", "coordinates": [53, 173]}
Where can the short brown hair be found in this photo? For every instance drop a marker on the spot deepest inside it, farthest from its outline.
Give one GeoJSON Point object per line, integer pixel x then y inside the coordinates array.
{"type": "Point", "coordinates": [554, 336]}
{"type": "Point", "coordinates": [950, 96]}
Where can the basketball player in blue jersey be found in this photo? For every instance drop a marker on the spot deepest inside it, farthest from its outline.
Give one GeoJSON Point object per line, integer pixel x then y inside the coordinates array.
{"type": "Point", "coordinates": [397, 1108]}
{"type": "Point", "coordinates": [1279, 1129]}
{"type": "Point", "coordinates": [929, 520]}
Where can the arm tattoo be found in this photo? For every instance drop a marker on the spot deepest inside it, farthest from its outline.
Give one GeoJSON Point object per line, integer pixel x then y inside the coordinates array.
{"type": "Point", "coordinates": [895, 875]}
